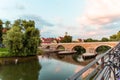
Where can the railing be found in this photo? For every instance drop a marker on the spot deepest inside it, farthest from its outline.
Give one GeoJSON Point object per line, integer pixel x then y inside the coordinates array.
{"type": "Point", "coordinates": [97, 71]}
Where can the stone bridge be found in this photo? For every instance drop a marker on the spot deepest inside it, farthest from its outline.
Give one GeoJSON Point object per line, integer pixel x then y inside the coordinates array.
{"type": "Point", "coordinates": [90, 47]}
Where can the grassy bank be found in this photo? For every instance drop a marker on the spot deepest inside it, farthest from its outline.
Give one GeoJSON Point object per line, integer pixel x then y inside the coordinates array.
{"type": "Point", "coordinates": [4, 52]}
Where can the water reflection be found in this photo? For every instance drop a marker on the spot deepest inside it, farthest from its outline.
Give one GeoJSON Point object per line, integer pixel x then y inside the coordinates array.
{"type": "Point", "coordinates": [53, 69]}
{"type": "Point", "coordinates": [50, 67]}
{"type": "Point", "coordinates": [22, 71]}
{"type": "Point", "coordinates": [73, 59]}
{"type": "Point", "coordinates": [60, 67]}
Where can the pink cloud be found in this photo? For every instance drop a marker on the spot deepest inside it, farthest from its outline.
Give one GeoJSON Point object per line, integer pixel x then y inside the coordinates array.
{"type": "Point", "coordinates": [97, 34]}
{"type": "Point", "coordinates": [100, 12]}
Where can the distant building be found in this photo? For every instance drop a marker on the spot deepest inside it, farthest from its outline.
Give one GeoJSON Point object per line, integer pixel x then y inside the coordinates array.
{"type": "Point", "coordinates": [49, 40]}
{"type": "Point", "coordinates": [59, 39]}
{"type": "Point", "coordinates": [80, 40]}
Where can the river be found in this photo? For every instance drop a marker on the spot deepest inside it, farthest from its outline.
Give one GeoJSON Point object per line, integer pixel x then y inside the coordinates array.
{"type": "Point", "coordinates": [39, 68]}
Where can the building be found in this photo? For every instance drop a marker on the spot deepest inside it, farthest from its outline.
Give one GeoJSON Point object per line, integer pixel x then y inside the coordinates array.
{"type": "Point", "coordinates": [49, 40]}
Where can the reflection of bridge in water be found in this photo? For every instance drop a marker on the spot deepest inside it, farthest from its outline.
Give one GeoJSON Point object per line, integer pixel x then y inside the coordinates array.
{"type": "Point", "coordinates": [72, 59]}
{"type": "Point", "coordinates": [90, 47]}
{"type": "Point", "coordinates": [69, 59]}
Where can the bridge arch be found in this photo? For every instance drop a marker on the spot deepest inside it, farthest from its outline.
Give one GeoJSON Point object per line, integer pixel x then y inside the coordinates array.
{"type": "Point", "coordinates": [80, 49]}
{"type": "Point", "coordinates": [102, 48]}
{"type": "Point", "coordinates": [60, 47]}
{"type": "Point", "coordinates": [103, 45]}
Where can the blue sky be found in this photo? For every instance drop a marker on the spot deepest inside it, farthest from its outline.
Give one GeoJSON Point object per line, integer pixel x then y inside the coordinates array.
{"type": "Point", "coordinates": [80, 18]}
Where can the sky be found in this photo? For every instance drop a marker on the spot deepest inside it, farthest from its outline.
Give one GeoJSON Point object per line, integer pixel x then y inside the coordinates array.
{"type": "Point", "coordinates": [80, 18]}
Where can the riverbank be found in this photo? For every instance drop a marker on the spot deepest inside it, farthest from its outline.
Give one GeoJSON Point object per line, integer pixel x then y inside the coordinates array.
{"type": "Point", "coordinates": [16, 60]}
{"type": "Point", "coordinates": [4, 53]}
{"type": "Point", "coordinates": [6, 58]}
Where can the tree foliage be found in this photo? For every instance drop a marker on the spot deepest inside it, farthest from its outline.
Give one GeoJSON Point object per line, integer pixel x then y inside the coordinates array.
{"type": "Point", "coordinates": [104, 39]}
{"type": "Point", "coordinates": [91, 40]}
{"type": "Point", "coordinates": [115, 37]}
{"type": "Point", "coordinates": [67, 39]}
{"type": "Point", "coordinates": [7, 24]}
{"type": "Point", "coordinates": [23, 38]}
{"type": "Point", "coordinates": [13, 40]}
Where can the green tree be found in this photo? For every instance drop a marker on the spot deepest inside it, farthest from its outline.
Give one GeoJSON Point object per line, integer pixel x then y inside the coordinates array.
{"type": "Point", "coordinates": [31, 40]}
{"type": "Point", "coordinates": [14, 40]}
{"type": "Point", "coordinates": [67, 39]}
{"type": "Point", "coordinates": [91, 40]}
{"type": "Point", "coordinates": [104, 39]}
{"type": "Point", "coordinates": [118, 36]}
{"type": "Point", "coordinates": [115, 37]}
{"type": "Point", "coordinates": [1, 28]}
{"type": "Point", "coordinates": [17, 23]}
{"type": "Point", "coordinates": [7, 24]}
{"type": "Point", "coordinates": [23, 38]}
{"type": "Point", "coordinates": [27, 24]}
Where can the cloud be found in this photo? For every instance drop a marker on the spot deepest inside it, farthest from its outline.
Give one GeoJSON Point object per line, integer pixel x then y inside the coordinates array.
{"type": "Point", "coordinates": [39, 22]}
{"type": "Point", "coordinates": [76, 31]}
{"type": "Point", "coordinates": [20, 6]}
{"type": "Point", "coordinates": [59, 30]}
{"type": "Point", "coordinates": [6, 4]}
{"type": "Point", "coordinates": [11, 9]}
{"type": "Point", "coordinates": [54, 31]}
{"type": "Point", "coordinates": [100, 12]}
{"type": "Point", "coordinates": [101, 18]}
{"type": "Point", "coordinates": [11, 5]}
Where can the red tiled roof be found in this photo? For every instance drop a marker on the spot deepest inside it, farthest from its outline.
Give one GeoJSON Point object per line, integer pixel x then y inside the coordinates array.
{"type": "Point", "coordinates": [4, 30]}
{"type": "Point", "coordinates": [48, 40]}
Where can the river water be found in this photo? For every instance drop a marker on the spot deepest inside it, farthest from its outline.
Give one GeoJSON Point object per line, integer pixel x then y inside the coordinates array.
{"type": "Point", "coordinates": [39, 68]}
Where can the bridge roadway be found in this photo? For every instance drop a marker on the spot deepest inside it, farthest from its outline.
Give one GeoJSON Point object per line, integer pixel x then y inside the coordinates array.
{"type": "Point", "coordinates": [90, 47]}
